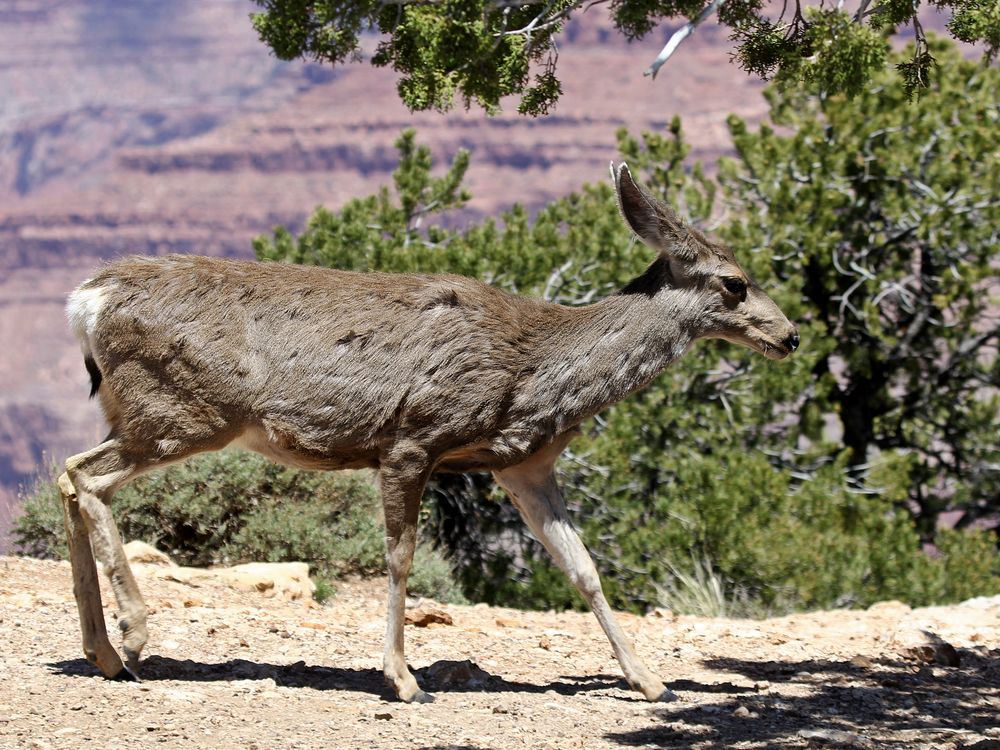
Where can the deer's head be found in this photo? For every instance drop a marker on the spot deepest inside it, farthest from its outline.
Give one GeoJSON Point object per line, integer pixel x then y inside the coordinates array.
{"type": "Point", "coordinates": [731, 305]}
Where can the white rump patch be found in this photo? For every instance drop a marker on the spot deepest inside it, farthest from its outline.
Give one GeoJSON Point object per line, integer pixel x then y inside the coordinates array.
{"type": "Point", "coordinates": [82, 309]}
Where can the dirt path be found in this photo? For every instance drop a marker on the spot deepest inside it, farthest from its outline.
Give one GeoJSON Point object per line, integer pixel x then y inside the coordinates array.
{"type": "Point", "coordinates": [226, 669]}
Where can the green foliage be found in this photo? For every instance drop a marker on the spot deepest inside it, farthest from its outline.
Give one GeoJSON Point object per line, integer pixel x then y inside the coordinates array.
{"type": "Point", "coordinates": [699, 590]}
{"type": "Point", "coordinates": [823, 47]}
{"type": "Point", "coordinates": [775, 543]}
{"type": "Point", "coordinates": [483, 50]}
{"type": "Point", "coordinates": [231, 507]}
{"type": "Point", "coordinates": [432, 577]}
{"type": "Point", "coordinates": [39, 531]}
{"type": "Point", "coordinates": [376, 232]}
{"type": "Point", "coordinates": [837, 55]}
{"type": "Point", "coordinates": [479, 51]}
{"type": "Point", "coordinates": [885, 216]}
{"type": "Point", "coordinates": [732, 482]}
{"type": "Point", "coordinates": [975, 21]}
{"type": "Point", "coordinates": [553, 255]}
{"type": "Point", "coordinates": [324, 590]}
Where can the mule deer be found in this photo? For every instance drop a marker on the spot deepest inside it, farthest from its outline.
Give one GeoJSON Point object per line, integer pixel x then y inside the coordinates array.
{"type": "Point", "coordinates": [407, 374]}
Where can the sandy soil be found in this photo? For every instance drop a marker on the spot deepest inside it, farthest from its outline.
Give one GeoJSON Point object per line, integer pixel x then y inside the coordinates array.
{"type": "Point", "coordinates": [229, 669]}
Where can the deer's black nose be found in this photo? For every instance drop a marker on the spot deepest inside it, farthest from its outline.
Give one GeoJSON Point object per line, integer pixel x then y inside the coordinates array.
{"type": "Point", "coordinates": [792, 342]}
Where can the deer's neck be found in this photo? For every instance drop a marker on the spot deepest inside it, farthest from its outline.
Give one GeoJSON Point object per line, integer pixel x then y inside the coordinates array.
{"type": "Point", "coordinates": [607, 350]}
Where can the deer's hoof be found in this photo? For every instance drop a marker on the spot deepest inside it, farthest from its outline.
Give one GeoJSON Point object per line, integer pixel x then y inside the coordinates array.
{"type": "Point", "coordinates": [666, 696]}
{"type": "Point", "coordinates": [421, 697]}
{"type": "Point", "coordinates": [132, 662]}
{"type": "Point", "coordinates": [125, 675]}
{"type": "Point", "coordinates": [656, 692]}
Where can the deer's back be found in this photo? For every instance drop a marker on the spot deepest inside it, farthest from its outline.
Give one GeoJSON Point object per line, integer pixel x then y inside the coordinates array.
{"type": "Point", "coordinates": [314, 366]}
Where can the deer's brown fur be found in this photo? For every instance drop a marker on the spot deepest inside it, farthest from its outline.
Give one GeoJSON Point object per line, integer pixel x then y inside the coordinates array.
{"type": "Point", "coordinates": [406, 374]}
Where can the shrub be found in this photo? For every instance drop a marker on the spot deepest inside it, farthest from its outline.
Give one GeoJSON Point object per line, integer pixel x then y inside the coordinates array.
{"type": "Point", "coordinates": [230, 507]}
{"type": "Point", "coordinates": [730, 482]}
{"type": "Point", "coordinates": [816, 482]}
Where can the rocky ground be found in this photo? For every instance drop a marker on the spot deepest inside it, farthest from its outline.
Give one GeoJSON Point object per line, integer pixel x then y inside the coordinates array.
{"type": "Point", "coordinates": [227, 668]}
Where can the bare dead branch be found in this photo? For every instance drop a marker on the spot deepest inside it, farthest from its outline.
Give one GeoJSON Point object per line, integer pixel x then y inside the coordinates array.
{"type": "Point", "coordinates": [679, 36]}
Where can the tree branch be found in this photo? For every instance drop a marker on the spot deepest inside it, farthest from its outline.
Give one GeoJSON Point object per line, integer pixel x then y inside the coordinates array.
{"type": "Point", "coordinates": [679, 36]}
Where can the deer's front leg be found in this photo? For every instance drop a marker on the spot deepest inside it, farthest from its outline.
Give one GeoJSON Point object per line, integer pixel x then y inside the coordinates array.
{"type": "Point", "coordinates": [533, 489]}
{"type": "Point", "coordinates": [402, 478]}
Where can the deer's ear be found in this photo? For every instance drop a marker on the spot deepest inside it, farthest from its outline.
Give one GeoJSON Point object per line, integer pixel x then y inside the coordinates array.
{"type": "Point", "coordinates": [652, 220]}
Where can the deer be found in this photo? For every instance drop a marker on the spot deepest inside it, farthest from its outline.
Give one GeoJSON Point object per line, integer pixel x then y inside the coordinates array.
{"type": "Point", "coordinates": [402, 373]}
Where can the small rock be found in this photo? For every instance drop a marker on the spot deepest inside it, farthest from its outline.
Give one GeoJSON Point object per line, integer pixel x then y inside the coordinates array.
{"type": "Point", "coordinates": [450, 674]}
{"type": "Point", "coordinates": [762, 687]}
{"type": "Point", "coordinates": [424, 616]}
{"type": "Point", "coordinates": [862, 662]}
{"type": "Point", "coordinates": [289, 580]}
{"type": "Point", "coordinates": [742, 712]}
{"type": "Point", "coordinates": [506, 622]}
{"type": "Point", "coordinates": [939, 652]}
{"type": "Point", "coordinates": [384, 716]}
{"type": "Point", "coordinates": [545, 642]}
{"type": "Point", "coordinates": [140, 552]}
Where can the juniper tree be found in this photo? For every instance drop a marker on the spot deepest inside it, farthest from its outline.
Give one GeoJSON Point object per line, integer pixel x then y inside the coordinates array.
{"type": "Point", "coordinates": [873, 222]}
{"type": "Point", "coordinates": [482, 50]}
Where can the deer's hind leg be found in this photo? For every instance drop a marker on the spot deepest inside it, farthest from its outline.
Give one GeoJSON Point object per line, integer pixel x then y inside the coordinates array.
{"type": "Point", "coordinates": [87, 590]}
{"type": "Point", "coordinates": [87, 486]}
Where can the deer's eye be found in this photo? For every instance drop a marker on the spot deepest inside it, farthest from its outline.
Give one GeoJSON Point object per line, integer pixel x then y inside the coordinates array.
{"type": "Point", "coordinates": [735, 286]}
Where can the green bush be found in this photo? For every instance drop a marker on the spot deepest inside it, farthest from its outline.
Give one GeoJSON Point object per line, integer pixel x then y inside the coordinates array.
{"type": "Point", "coordinates": [231, 507]}
{"type": "Point", "coordinates": [731, 484]}
{"type": "Point", "coordinates": [815, 482]}
{"type": "Point", "coordinates": [771, 543]}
